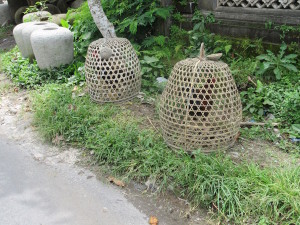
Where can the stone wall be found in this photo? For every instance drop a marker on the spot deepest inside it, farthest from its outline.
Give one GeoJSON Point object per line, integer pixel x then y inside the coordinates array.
{"type": "Point", "coordinates": [247, 18]}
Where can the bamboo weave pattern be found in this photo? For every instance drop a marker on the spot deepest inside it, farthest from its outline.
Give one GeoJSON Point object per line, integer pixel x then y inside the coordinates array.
{"type": "Point", "coordinates": [200, 106]}
{"type": "Point", "coordinates": [112, 70]}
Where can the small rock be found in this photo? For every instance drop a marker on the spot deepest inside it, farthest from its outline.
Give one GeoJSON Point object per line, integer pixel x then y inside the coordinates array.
{"type": "Point", "coordinates": [161, 80]}
{"type": "Point", "coordinates": [140, 187]}
{"type": "Point", "coordinates": [105, 209]}
{"type": "Point", "coordinates": [92, 152]}
{"type": "Point", "coordinates": [235, 155]}
{"type": "Point", "coordinates": [270, 117]}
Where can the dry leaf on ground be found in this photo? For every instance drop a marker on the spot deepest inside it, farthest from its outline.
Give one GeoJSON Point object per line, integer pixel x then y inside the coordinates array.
{"type": "Point", "coordinates": [116, 181]}
{"type": "Point", "coordinates": [57, 139]}
{"type": "Point", "coordinates": [153, 220]}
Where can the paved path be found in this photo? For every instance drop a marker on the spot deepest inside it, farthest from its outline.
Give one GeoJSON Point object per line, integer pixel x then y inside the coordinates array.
{"type": "Point", "coordinates": [34, 193]}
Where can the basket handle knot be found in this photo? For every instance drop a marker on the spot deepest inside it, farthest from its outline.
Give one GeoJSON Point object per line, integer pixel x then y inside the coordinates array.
{"type": "Point", "coordinates": [212, 57]}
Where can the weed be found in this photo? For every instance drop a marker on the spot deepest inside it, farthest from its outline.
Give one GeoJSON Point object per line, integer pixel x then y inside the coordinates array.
{"type": "Point", "coordinates": [276, 65]}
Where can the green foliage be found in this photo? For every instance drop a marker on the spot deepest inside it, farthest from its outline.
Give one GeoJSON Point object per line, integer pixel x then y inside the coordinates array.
{"type": "Point", "coordinates": [134, 19]}
{"type": "Point", "coordinates": [277, 65]}
{"type": "Point", "coordinates": [200, 34]}
{"type": "Point", "coordinates": [4, 31]}
{"type": "Point", "coordinates": [152, 68]}
{"type": "Point", "coordinates": [255, 101]}
{"type": "Point", "coordinates": [243, 193]}
{"type": "Point", "coordinates": [267, 133]}
{"type": "Point", "coordinates": [84, 29]}
{"type": "Point", "coordinates": [286, 99]}
{"type": "Point", "coordinates": [28, 75]}
{"type": "Point", "coordinates": [242, 70]}
{"type": "Point", "coordinates": [38, 6]}
{"type": "Point", "coordinates": [281, 99]}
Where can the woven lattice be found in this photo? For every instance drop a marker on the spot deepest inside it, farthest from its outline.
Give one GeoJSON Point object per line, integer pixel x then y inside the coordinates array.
{"type": "Point", "coordinates": [112, 70]}
{"type": "Point", "coordinates": [200, 107]}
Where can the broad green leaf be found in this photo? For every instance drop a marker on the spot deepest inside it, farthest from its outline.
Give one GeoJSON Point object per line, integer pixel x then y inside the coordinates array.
{"type": "Point", "coordinates": [149, 59]}
{"type": "Point", "coordinates": [291, 56]}
{"type": "Point", "coordinates": [64, 23]}
{"type": "Point", "coordinates": [133, 27]}
{"type": "Point", "coordinates": [296, 127]}
{"type": "Point", "coordinates": [290, 67]}
{"type": "Point", "coordinates": [227, 48]}
{"type": "Point", "coordinates": [260, 112]}
{"type": "Point", "coordinates": [266, 65]}
{"type": "Point", "coordinates": [263, 57]}
{"type": "Point", "coordinates": [259, 86]}
{"type": "Point", "coordinates": [163, 12]}
{"type": "Point", "coordinates": [277, 73]}
{"type": "Point", "coordinates": [268, 102]}
{"type": "Point", "coordinates": [86, 36]}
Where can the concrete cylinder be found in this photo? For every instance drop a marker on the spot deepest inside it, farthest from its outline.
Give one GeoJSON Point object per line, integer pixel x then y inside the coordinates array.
{"type": "Point", "coordinates": [26, 33]}
{"type": "Point", "coordinates": [5, 16]}
{"type": "Point", "coordinates": [36, 16]}
{"type": "Point", "coordinates": [19, 38]}
{"type": "Point", "coordinates": [52, 47]}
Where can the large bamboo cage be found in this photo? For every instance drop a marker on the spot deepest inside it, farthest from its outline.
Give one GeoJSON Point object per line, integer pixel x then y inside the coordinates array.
{"type": "Point", "coordinates": [113, 71]}
{"type": "Point", "coordinates": [200, 107]}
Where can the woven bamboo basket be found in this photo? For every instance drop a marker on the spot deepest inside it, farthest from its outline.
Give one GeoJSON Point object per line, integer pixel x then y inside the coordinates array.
{"type": "Point", "coordinates": [200, 107]}
{"type": "Point", "coordinates": [112, 70]}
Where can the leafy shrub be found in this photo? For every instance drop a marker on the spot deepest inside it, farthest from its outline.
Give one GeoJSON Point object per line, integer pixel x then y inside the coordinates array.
{"type": "Point", "coordinates": [241, 70]}
{"type": "Point", "coordinates": [255, 101]}
{"type": "Point", "coordinates": [282, 99]}
{"type": "Point", "coordinates": [276, 65]}
{"type": "Point", "coordinates": [286, 99]}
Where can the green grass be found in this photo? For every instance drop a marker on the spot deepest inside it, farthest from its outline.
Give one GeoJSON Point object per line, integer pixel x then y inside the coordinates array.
{"type": "Point", "coordinates": [239, 194]}
{"type": "Point", "coordinates": [28, 75]}
{"type": "Point", "coordinates": [267, 133]}
{"type": "Point", "coordinates": [4, 30]}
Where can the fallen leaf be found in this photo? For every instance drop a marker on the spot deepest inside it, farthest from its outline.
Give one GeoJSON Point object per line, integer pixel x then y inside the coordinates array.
{"type": "Point", "coordinates": [237, 136]}
{"type": "Point", "coordinates": [153, 220]}
{"type": "Point", "coordinates": [116, 181]}
{"type": "Point", "coordinates": [72, 107]}
{"type": "Point", "coordinates": [57, 139]}
{"type": "Point", "coordinates": [75, 89]}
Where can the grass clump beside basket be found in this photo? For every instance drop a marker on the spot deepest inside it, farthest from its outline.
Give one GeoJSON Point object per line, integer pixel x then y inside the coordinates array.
{"type": "Point", "coordinates": [240, 193]}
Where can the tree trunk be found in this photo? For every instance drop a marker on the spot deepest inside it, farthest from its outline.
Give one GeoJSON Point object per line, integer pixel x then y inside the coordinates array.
{"type": "Point", "coordinates": [105, 27]}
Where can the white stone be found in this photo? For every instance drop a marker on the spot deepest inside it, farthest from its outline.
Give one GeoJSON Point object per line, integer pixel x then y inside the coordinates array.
{"type": "Point", "coordinates": [19, 38]}
{"type": "Point", "coordinates": [57, 18]}
{"type": "Point", "coordinates": [5, 16]}
{"type": "Point", "coordinates": [53, 47]}
{"type": "Point", "coordinates": [26, 34]}
{"type": "Point", "coordinates": [37, 16]}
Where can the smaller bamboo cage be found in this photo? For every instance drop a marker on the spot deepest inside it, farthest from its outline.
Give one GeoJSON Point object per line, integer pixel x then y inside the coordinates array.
{"type": "Point", "coordinates": [112, 70]}
{"type": "Point", "coordinates": [200, 107]}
